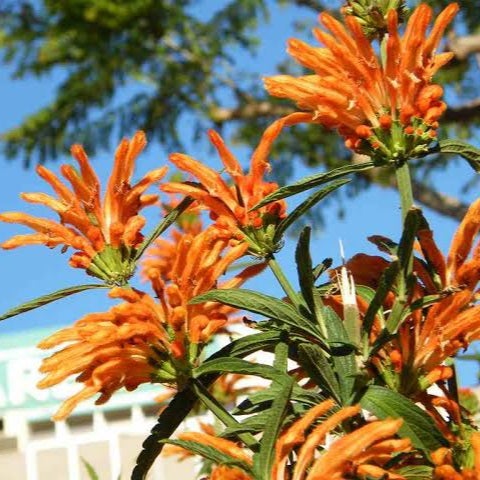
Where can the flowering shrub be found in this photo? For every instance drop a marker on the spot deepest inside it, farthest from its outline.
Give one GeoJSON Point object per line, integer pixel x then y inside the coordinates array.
{"type": "Point", "coordinates": [355, 358]}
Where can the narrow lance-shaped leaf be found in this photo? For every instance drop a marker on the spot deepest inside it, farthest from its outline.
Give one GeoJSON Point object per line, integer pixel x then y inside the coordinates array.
{"type": "Point", "coordinates": [265, 305]}
{"type": "Point", "coordinates": [387, 280]}
{"type": "Point", "coordinates": [237, 365]}
{"type": "Point", "coordinates": [470, 153]}
{"type": "Point", "coordinates": [49, 298]}
{"type": "Point", "coordinates": [168, 220]}
{"type": "Point", "coordinates": [210, 453]}
{"type": "Point", "coordinates": [305, 268]}
{"type": "Point", "coordinates": [92, 474]}
{"type": "Point", "coordinates": [343, 356]}
{"type": "Point", "coordinates": [316, 364]}
{"type": "Point", "coordinates": [183, 402]}
{"type": "Point", "coordinates": [313, 181]}
{"type": "Point", "coordinates": [263, 460]}
{"type": "Point", "coordinates": [405, 279]}
{"type": "Point", "coordinates": [418, 426]}
{"type": "Point", "coordinates": [305, 206]}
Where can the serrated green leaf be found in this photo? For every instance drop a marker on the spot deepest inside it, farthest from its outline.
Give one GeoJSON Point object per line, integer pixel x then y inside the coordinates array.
{"type": "Point", "coordinates": [313, 181]}
{"type": "Point", "coordinates": [470, 153]}
{"type": "Point", "coordinates": [169, 420]}
{"type": "Point", "coordinates": [344, 362]}
{"type": "Point", "coordinates": [92, 474]}
{"type": "Point", "coordinates": [210, 453]}
{"type": "Point", "coordinates": [305, 268]}
{"type": "Point", "coordinates": [418, 426]}
{"type": "Point", "coordinates": [306, 205]}
{"type": "Point", "coordinates": [49, 298]}
{"type": "Point", "coordinates": [265, 305]}
{"type": "Point", "coordinates": [264, 459]}
{"type": "Point", "coordinates": [168, 220]}
{"type": "Point", "coordinates": [312, 358]}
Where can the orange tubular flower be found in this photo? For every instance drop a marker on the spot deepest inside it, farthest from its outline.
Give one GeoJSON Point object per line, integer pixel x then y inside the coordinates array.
{"type": "Point", "coordinates": [362, 453]}
{"type": "Point", "coordinates": [430, 335]}
{"type": "Point", "coordinates": [144, 339]}
{"type": "Point", "coordinates": [388, 110]}
{"type": "Point", "coordinates": [444, 462]}
{"type": "Point", "coordinates": [119, 348]}
{"type": "Point", "coordinates": [104, 233]}
{"type": "Point", "coordinates": [230, 206]}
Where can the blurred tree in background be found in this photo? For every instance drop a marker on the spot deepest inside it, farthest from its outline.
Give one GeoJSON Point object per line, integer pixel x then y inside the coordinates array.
{"type": "Point", "coordinates": [150, 64]}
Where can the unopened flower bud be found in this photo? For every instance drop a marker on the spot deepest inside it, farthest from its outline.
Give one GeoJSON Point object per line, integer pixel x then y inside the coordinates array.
{"type": "Point", "coordinates": [372, 14]}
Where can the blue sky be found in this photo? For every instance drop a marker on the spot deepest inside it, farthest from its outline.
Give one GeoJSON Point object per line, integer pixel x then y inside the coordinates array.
{"type": "Point", "coordinates": [32, 271]}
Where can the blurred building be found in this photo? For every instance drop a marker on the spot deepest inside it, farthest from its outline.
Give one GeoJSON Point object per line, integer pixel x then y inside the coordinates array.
{"type": "Point", "coordinates": [109, 438]}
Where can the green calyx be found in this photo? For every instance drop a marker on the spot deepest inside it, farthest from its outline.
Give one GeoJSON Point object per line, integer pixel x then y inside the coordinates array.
{"type": "Point", "coordinates": [372, 14]}
{"type": "Point", "coordinates": [262, 241]}
{"type": "Point", "coordinates": [115, 266]}
{"type": "Point", "coordinates": [397, 144]}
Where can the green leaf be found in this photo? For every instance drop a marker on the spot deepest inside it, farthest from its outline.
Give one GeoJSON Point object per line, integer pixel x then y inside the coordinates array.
{"type": "Point", "coordinates": [305, 206]}
{"type": "Point", "coordinates": [470, 153]}
{"type": "Point", "coordinates": [305, 268]}
{"type": "Point", "coordinates": [265, 305]}
{"type": "Point", "coordinates": [168, 220]}
{"type": "Point", "coordinates": [322, 267]}
{"type": "Point", "coordinates": [368, 294]}
{"type": "Point", "coordinates": [416, 472]}
{"type": "Point", "coordinates": [92, 474]}
{"type": "Point", "coordinates": [253, 424]}
{"type": "Point", "coordinates": [249, 344]}
{"type": "Point", "coordinates": [183, 402]}
{"type": "Point", "coordinates": [264, 459]}
{"type": "Point", "coordinates": [167, 423]}
{"type": "Point", "coordinates": [262, 399]}
{"type": "Point", "coordinates": [49, 298]}
{"type": "Point", "coordinates": [313, 181]}
{"type": "Point", "coordinates": [423, 302]}
{"type": "Point", "coordinates": [418, 426]}
{"type": "Point", "coordinates": [411, 225]}
{"type": "Point", "coordinates": [312, 358]}
{"type": "Point", "coordinates": [210, 453]}
{"type": "Point", "coordinates": [214, 406]}
{"type": "Point", "coordinates": [385, 285]}
{"type": "Point", "coordinates": [343, 360]}
{"type": "Point", "coordinates": [237, 365]}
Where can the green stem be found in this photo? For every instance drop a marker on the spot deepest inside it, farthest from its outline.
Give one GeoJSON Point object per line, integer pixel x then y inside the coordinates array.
{"type": "Point", "coordinates": [284, 283]}
{"type": "Point", "coordinates": [219, 411]}
{"type": "Point", "coordinates": [404, 183]}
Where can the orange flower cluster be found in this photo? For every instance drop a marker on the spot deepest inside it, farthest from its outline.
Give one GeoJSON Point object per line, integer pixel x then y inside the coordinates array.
{"type": "Point", "coordinates": [145, 339]}
{"type": "Point", "coordinates": [362, 453]}
{"type": "Point", "coordinates": [231, 206]}
{"type": "Point", "coordinates": [431, 335]}
{"type": "Point", "coordinates": [105, 232]}
{"type": "Point", "coordinates": [445, 468]}
{"type": "Point", "coordinates": [388, 110]}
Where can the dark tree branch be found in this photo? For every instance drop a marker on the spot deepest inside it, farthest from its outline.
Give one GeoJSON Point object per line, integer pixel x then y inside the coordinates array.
{"type": "Point", "coordinates": [464, 112]}
{"type": "Point", "coordinates": [463, 46]}
{"type": "Point", "coordinates": [461, 113]}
